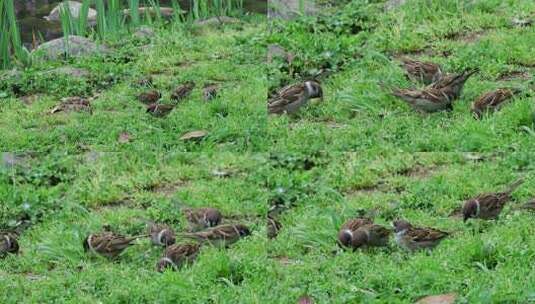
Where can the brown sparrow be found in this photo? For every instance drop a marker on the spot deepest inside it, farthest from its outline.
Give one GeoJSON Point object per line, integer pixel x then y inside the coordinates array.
{"type": "Point", "coordinates": [370, 235]}
{"type": "Point", "coordinates": [291, 98]}
{"type": "Point", "coordinates": [160, 110]}
{"type": "Point", "coordinates": [182, 91]}
{"type": "Point", "coordinates": [73, 104]}
{"type": "Point", "coordinates": [427, 100]}
{"type": "Point", "coordinates": [8, 243]}
{"type": "Point", "coordinates": [426, 72]}
{"type": "Point", "coordinates": [177, 255]}
{"type": "Point", "coordinates": [452, 85]}
{"type": "Point", "coordinates": [491, 101]}
{"type": "Point", "coordinates": [161, 235]}
{"type": "Point", "coordinates": [202, 218]}
{"type": "Point", "coordinates": [488, 206]}
{"type": "Point", "coordinates": [210, 91]}
{"type": "Point", "coordinates": [345, 234]}
{"type": "Point", "coordinates": [108, 244]}
{"type": "Point", "coordinates": [416, 238]}
{"type": "Point", "coordinates": [530, 205]}
{"type": "Point", "coordinates": [149, 97]}
{"type": "Point", "coordinates": [273, 227]}
{"type": "Point", "coordinates": [220, 236]}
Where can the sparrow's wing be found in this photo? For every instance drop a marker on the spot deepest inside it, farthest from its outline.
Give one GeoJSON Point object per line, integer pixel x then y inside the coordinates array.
{"type": "Point", "coordinates": [354, 224]}
{"type": "Point", "coordinates": [426, 234]}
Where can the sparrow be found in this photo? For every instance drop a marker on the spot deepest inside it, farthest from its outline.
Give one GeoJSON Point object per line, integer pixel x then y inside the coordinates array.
{"type": "Point", "coordinates": [452, 84]}
{"type": "Point", "coordinates": [345, 234]}
{"type": "Point", "coordinates": [491, 101]}
{"type": "Point", "coordinates": [220, 236]}
{"type": "Point", "coordinates": [159, 110]}
{"type": "Point", "coordinates": [291, 98]}
{"type": "Point", "coordinates": [416, 238]}
{"type": "Point", "coordinates": [145, 81]}
{"type": "Point", "coordinates": [73, 104]}
{"type": "Point", "coordinates": [488, 206]}
{"type": "Point", "coordinates": [438, 96]}
{"type": "Point", "coordinates": [426, 72]}
{"type": "Point", "coordinates": [273, 227]}
{"type": "Point", "coordinates": [427, 100]}
{"type": "Point", "coordinates": [177, 255]}
{"type": "Point", "coordinates": [8, 243]}
{"type": "Point", "coordinates": [161, 235]}
{"type": "Point", "coordinates": [210, 91]}
{"type": "Point", "coordinates": [202, 218]}
{"type": "Point", "coordinates": [370, 235]}
{"type": "Point", "coordinates": [530, 205]}
{"type": "Point", "coordinates": [149, 97]}
{"type": "Point", "coordinates": [182, 91]}
{"type": "Point", "coordinates": [108, 244]}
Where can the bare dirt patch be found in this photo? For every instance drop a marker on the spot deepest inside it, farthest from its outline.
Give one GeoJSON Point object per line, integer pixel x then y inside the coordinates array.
{"type": "Point", "coordinates": [166, 189]}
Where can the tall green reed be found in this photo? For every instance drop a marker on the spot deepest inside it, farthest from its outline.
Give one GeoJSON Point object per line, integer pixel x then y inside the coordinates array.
{"type": "Point", "coordinates": [10, 40]}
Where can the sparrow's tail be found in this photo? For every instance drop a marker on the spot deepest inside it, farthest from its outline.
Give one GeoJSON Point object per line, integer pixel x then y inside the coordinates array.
{"type": "Point", "coordinates": [469, 72]}
{"type": "Point", "coordinates": [514, 185]}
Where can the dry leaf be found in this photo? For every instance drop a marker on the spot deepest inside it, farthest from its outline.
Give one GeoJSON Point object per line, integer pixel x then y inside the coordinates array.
{"type": "Point", "coordinates": [305, 300]}
{"type": "Point", "coordinates": [448, 298]}
{"type": "Point", "coordinates": [124, 137]}
{"type": "Point", "coordinates": [194, 135]}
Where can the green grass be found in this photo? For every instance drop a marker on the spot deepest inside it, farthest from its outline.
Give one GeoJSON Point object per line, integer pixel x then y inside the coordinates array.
{"type": "Point", "coordinates": [360, 151]}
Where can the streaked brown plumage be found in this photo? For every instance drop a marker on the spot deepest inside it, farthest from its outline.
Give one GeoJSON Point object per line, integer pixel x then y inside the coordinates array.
{"type": "Point", "coordinates": [8, 243]}
{"type": "Point", "coordinates": [73, 104]}
{"type": "Point", "coordinates": [416, 238]}
{"type": "Point", "coordinates": [291, 98]}
{"type": "Point", "coordinates": [202, 218]}
{"type": "Point", "coordinates": [220, 236]}
{"type": "Point", "coordinates": [529, 205]}
{"type": "Point", "coordinates": [427, 100]}
{"type": "Point", "coordinates": [149, 97]}
{"type": "Point", "coordinates": [159, 110]}
{"type": "Point", "coordinates": [161, 234]}
{"type": "Point", "coordinates": [210, 91]}
{"type": "Point", "coordinates": [108, 244]}
{"type": "Point", "coordinates": [488, 206]}
{"type": "Point", "coordinates": [182, 91]}
{"type": "Point", "coordinates": [452, 84]}
{"type": "Point", "coordinates": [426, 72]}
{"type": "Point", "coordinates": [178, 255]}
{"type": "Point", "coordinates": [438, 96]}
{"type": "Point", "coordinates": [273, 227]}
{"type": "Point", "coordinates": [345, 234]}
{"type": "Point", "coordinates": [491, 101]}
{"type": "Point", "coordinates": [370, 235]}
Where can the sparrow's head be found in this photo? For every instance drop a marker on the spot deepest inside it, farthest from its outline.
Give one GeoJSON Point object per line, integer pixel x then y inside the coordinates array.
{"type": "Point", "coordinates": [165, 263]}
{"type": "Point", "coordinates": [344, 237]}
{"type": "Point", "coordinates": [400, 225]}
{"type": "Point", "coordinates": [313, 89]}
{"type": "Point", "coordinates": [167, 237]}
{"type": "Point", "coordinates": [243, 230]}
{"type": "Point", "coordinates": [9, 244]}
{"type": "Point", "coordinates": [359, 238]}
{"type": "Point", "coordinates": [470, 209]}
{"type": "Point", "coordinates": [212, 217]}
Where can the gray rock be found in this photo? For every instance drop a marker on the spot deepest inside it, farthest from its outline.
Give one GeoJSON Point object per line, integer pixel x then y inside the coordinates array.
{"type": "Point", "coordinates": [70, 71]}
{"type": "Point", "coordinates": [392, 4]}
{"type": "Point", "coordinates": [74, 7]}
{"type": "Point", "coordinates": [217, 21]}
{"type": "Point", "coordinates": [288, 9]}
{"type": "Point", "coordinates": [76, 47]}
{"type": "Point", "coordinates": [144, 32]}
{"type": "Point", "coordinates": [10, 159]}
